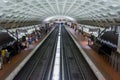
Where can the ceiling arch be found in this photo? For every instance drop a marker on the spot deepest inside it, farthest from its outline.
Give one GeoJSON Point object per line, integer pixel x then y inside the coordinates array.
{"type": "Point", "coordinates": [107, 11]}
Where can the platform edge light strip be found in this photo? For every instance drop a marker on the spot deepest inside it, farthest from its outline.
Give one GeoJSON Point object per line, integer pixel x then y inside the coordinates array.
{"type": "Point", "coordinates": [56, 69]}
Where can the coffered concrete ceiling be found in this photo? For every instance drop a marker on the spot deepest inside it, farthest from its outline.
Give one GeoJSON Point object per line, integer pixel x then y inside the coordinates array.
{"type": "Point", "coordinates": [91, 12]}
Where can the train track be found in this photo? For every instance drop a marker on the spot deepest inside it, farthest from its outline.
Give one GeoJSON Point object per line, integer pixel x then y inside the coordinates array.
{"type": "Point", "coordinates": [74, 66]}
{"type": "Point", "coordinates": [40, 65]}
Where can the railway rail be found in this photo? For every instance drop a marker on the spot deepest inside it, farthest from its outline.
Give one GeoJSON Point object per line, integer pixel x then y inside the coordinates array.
{"type": "Point", "coordinates": [74, 66]}
{"type": "Point", "coordinates": [40, 64]}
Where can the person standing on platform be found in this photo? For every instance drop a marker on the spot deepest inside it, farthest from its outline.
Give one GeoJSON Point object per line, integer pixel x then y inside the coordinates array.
{"type": "Point", "coordinates": [1, 61]}
{"type": "Point", "coordinates": [7, 54]}
{"type": "Point", "coordinates": [3, 54]}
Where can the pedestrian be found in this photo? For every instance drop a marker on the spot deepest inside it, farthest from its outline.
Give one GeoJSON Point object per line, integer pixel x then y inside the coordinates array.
{"type": "Point", "coordinates": [7, 54]}
{"type": "Point", "coordinates": [1, 61]}
{"type": "Point", "coordinates": [3, 54]}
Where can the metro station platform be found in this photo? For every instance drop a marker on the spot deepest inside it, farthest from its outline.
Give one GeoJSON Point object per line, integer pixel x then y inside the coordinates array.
{"type": "Point", "coordinates": [16, 60]}
{"type": "Point", "coordinates": [107, 71]}
{"type": "Point", "coordinates": [98, 60]}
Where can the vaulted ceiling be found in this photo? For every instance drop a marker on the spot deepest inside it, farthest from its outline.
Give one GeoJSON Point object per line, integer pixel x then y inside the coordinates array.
{"type": "Point", "coordinates": [91, 12]}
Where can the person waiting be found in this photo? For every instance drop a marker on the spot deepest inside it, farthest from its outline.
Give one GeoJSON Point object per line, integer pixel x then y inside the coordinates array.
{"type": "Point", "coordinates": [7, 55]}
{"type": "Point", "coordinates": [3, 54]}
{"type": "Point", "coordinates": [1, 61]}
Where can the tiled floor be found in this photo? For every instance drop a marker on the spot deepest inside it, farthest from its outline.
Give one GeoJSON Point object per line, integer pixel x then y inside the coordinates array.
{"type": "Point", "coordinates": [108, 72]}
